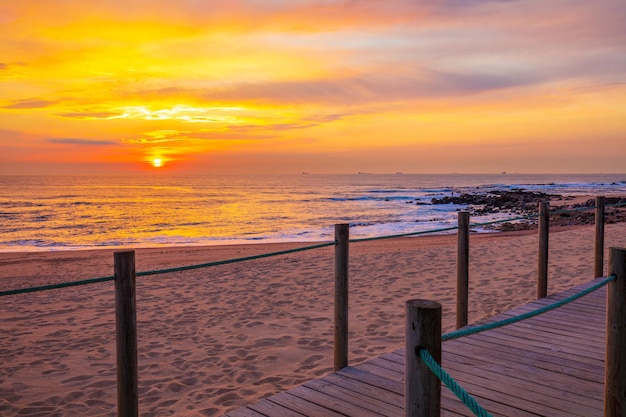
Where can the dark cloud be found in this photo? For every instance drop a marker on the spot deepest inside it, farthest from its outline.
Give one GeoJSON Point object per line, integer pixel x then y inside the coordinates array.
{"type": "Point", "coordinates": [29, 104]}
{"type": "Point", "coordinates": [77, 141]}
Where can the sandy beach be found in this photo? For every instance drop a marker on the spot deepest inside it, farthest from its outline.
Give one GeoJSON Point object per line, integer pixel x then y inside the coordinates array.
{"type": "Point", "coordinates": [214, 339]}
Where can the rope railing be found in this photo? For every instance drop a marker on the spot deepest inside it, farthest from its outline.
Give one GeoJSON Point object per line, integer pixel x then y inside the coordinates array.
{"type": "Point", "coordinates": [477, 329]}
{"type": "Point", "coordinates": [163, 271]}
{"type": "Point", "coordinates": [234, 260]}
{"type": "Point", "coordinates": [422, 232]}
{"type": "Point", "coordinates": [55, 286]}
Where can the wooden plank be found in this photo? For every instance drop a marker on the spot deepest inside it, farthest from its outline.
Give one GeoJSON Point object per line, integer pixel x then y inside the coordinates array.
{"type": "Point", "coordinates": [345, 405]}
{"type": "Point", "coordinates": [371, 379]}
{"type": "Point", "coordinates": [244, 412]}
{"type": "Point", "coordinates": [301, 406]}
{"type": "Point", "coordinates": [367, 401]}
{"type": "Point", "coordinates": [568, 315]}
{"type": "Point", "coordinates": [583, 347]}
{"type": "Point", "coordinates": [504, 354]}
{"type": "Point", "coordinates": [379, 394]}
{"type": "Point", "coordinates": [587, 341]}
{"type": "Point", "coordinates": [532, 346]}
{"type": "Point", "coordinates": [572, 330]}
{"type": "Point", "coordinates": [271, 409]}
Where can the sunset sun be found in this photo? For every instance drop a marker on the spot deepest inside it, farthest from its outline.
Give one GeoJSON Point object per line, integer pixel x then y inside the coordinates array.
{"type": "Point", "coordinates": [157, 162]}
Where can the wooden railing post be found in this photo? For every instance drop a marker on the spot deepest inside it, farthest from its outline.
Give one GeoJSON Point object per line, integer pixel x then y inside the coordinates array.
{"type": "Point", "coordinates": [422, 388]}
{"type": "Point", "coordinates": [342, 236]}
{"type": "Point", "coordinates": [126, 334]}
{"type": "Point", "coordinates": [599, 256]}
{"type": "Point", "coordinates": [615, 364]}
{"type": "Point", "coordinates": [462, 270]}
{"type": "Point", "coordinates": [542, 264]}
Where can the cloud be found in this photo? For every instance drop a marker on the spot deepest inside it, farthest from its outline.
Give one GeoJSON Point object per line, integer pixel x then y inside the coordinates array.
{"type": "Point", "coordinates": [373, 88]}
{"type": "Point", "coordinates": [82, 142]}
{"type": "Point", "coordinates": [326, 118]}
{"type": "Point", "coordinates": [92, 115]}
{"type": "Point", "coordinates": [29, 104]}
{"type": "Point", "coordinates": [270, 127]}
{"type": "Point", "coordinates": [242, 133]}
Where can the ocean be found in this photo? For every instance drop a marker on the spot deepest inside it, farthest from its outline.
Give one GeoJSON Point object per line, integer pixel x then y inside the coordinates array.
{"type": "Point", "coordinates": [85, 212]}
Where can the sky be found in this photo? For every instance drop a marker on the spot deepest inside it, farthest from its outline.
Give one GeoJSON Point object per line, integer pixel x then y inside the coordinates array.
{"type": "Point", "coordinates": [317, 86]}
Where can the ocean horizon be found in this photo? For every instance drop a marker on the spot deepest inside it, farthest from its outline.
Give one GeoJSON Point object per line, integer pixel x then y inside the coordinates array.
{"type": "Point", "coordinates": [95, 211]}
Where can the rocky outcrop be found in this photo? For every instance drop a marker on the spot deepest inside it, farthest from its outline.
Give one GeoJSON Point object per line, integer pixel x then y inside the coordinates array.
{"type": "Point", "coordinates": [521, 202]}
{"type": "Point", "coordinates": [514, 201]}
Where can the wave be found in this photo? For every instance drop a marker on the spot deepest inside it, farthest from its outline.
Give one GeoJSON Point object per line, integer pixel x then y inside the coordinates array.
{"type": "Point", "coordinates": [252, 210]}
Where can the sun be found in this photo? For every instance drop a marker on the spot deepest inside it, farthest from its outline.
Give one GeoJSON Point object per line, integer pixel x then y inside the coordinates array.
{"type": "Point", "coordinates": [157, 162]}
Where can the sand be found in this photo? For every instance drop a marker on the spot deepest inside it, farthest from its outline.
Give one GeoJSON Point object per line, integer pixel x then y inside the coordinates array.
{"type": "Point", "coordinates": [214, 339]}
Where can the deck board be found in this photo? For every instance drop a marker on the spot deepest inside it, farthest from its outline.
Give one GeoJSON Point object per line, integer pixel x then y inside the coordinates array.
{"type": "Point", "coordinates": [548, 365]}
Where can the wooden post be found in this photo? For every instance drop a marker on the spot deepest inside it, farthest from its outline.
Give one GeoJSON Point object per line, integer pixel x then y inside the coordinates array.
{"type": "Point", "coordinates": [462, 270]}
{"type": "Point", "coordinates": [126, 332]}
{"type": "Point", "coordinates": [615, 364]}
{"type": "Point", "coordinates": [599, 258]}
{"type": "Point", "coordinates": [422, 388]}
{"type": "Point", "coordinates": [542, 265]}
{"type": "Point", "coordinates": [342, 236]}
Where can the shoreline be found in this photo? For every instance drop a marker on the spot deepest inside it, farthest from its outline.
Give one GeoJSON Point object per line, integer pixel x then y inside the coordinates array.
{"type": "Point", "coordinates": [99, 261]}
{"type": "Point", "coordinates": [484, 207]}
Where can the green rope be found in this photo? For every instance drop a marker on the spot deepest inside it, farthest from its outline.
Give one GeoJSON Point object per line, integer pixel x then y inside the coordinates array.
{"type": "Point", "coordinates": [162, 271]}
{"type": "Point", "coordinates": [54, 286]}
{"type": "Point", "coordinates": [463, 395]}
{"type": "Point", "coordinates": [230, 261]}
{"type": "Point", "coordinates": [473, 330]}
{"type": "Point", "coordinates": [423, 232]}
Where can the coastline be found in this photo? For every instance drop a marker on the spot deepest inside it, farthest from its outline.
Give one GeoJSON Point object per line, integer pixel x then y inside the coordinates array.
{"type": "Point", "coordinates": [218, 338]}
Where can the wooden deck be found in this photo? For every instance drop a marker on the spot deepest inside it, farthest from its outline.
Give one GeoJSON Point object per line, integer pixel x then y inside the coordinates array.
{"type": "Point", "coordinates": [548, 365]}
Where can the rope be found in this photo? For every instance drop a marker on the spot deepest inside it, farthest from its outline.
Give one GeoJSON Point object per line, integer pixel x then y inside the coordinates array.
{"type": "Point", "coordinates": [230, 261]}
{"type": "Point", "coordinates": [463, 395]}
{"type": "Point", "coordinates": [423, 232]}
{"type": "Point", "coordinates": [54, 286]}
{"type": "Point", "coordinates": [162, 271]}
{"type": "Point", "coordinates": [515, 319]}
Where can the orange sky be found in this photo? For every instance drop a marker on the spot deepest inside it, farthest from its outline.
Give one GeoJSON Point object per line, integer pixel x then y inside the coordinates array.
{"type": "Point", "coordinates": [322, 86]}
